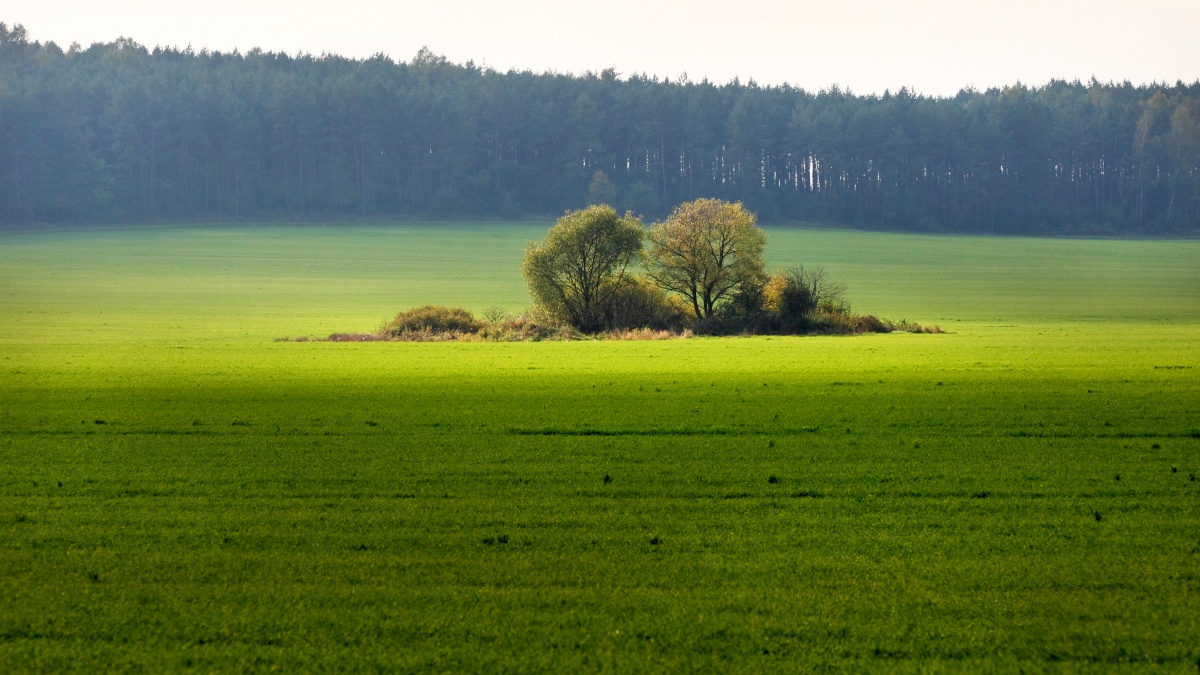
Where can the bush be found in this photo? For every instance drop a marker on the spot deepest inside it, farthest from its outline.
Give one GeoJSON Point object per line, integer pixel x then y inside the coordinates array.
{"type": "Point", "coordinates": [638, 303]}
{"type": "Point", "coordinates": [789, 301]}
{"type": "Point", "coordinates": [744, 314]}
{"type": "Point", "coordinates": [522, 328]}
{"type": "Point", "coordinates": [432, 320]}
{"type": "Point", "coordinates": [496, 314]}
{"type": "Point", "coordinates": [872, 324]}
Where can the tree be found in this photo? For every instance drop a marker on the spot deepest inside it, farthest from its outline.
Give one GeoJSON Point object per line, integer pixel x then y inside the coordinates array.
{"type": "Point", "coordinates": [575, 272]}
{"type": "Point", "coordinates": [601, 190]}
{"type": "Point", "coordinates": [1183, 148]}
{"type": "Point", "coordinates": [706, 250]}
{"type": "Point", "coordinates": [117, 131]}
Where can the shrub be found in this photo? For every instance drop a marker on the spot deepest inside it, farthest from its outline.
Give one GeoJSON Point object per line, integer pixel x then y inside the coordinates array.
{"type": "Point", "coordinates": [496, 314]}
{"type": "Point", "coordinates": [431, 319]}
{"type": "Point", "coordinates": [872, 324]}
{"type": "Point", "coordinates": [789, 301]}
{"type": "Point", "coordinates": [744, 314]}
{"type": "Point", "coordinates": [525, 328]}
{"type": "Point", "coordinates": [638, 303]}
{"type": "Point", "coordinates": [844, 322]}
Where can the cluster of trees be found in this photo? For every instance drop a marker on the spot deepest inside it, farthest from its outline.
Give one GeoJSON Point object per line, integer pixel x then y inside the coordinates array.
{"type": "Point", "coordinates": [703, 270]}
{"type": "Point", "coordinates": [700, 270]}
{"type": "Point", "coordinates": [117, 131]}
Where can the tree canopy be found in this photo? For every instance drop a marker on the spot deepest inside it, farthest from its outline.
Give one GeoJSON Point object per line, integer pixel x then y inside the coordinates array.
{"type": "Point", "coordinates": [575, 273]}
{"type": "Point", "coordinates": [117, 131]}
{"type": "Point", "coordinates": [705, 251]}
{"type": "Point", "coordinates": [704, 273]}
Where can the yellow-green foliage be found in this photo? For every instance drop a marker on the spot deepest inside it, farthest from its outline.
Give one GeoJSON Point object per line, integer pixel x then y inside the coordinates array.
{"type": "Point", "coordinates": [775, 290]}
{"type": "Point", "coordinates": [706, 250]}
{"type": "Point", "coordinates": [574, 273]}
{"type": "Point", "coordinates": [432, 320]}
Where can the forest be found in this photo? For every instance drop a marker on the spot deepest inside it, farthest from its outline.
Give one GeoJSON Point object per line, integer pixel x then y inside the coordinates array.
{"type": "Point", "coordinates": [120, 132]}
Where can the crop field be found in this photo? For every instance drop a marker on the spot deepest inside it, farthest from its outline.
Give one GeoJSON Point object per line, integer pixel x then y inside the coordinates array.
{"type": "Point", "coordinates": [178, 491]}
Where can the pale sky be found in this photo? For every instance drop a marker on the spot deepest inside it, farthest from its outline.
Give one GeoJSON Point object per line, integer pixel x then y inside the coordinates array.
{"type": "Point", "coordinates": [931, 46]}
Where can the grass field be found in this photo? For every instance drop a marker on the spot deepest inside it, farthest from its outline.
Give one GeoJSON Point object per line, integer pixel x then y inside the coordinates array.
{"type": "Point", "coordinates": [179, 492]}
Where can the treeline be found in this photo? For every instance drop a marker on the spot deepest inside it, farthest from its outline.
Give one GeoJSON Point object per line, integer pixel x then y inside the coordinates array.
{"type": "Point", "coordinates": [116, 131]}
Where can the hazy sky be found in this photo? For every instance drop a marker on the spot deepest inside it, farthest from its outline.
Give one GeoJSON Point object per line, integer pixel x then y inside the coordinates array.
{"type": "Point", "coordinates": [932, 46]}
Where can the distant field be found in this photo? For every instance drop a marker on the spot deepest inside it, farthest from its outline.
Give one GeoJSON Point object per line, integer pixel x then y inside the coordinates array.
{"type": "Point", "coordinates": [179, 492]}
{"type": "Point", "coordinates": [266, 281]}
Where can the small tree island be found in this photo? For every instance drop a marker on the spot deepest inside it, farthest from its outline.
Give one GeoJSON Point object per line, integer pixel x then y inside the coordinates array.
{"type": "Point", "coordinates": [702, 273]}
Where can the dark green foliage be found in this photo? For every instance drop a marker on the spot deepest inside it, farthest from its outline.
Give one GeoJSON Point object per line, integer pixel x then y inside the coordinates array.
{"type": "Point", "coordinates": [872, 324]}
{"type": "Point", "coordinates": [808, 300]}
{"type": "Point", "coordinates": [792, 301]}
{"type": "Point", "coordinates": [638, 303]}
{"type": "Point", "coordinates": [118, 131]}
{"type": "Point", "coordinates": [601, 190]}
{"type": "Point", "coordinates": [796, 302]}
{"type": "Point", "coordinates": [433, 320]}
{"type": "Point", "coordinates": [744, 314]}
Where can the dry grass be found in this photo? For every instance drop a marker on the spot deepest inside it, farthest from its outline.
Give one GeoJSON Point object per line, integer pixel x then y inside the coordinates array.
{"type": "Point", "coordinates": [644, 334]}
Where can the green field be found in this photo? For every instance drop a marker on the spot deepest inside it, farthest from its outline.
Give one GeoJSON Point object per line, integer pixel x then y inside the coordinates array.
{"type": "Point", "coordinates": [178, 491]}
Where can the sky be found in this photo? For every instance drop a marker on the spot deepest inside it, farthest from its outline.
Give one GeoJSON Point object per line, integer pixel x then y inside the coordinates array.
{"type": "Point", "coordinates": [933, 47]}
